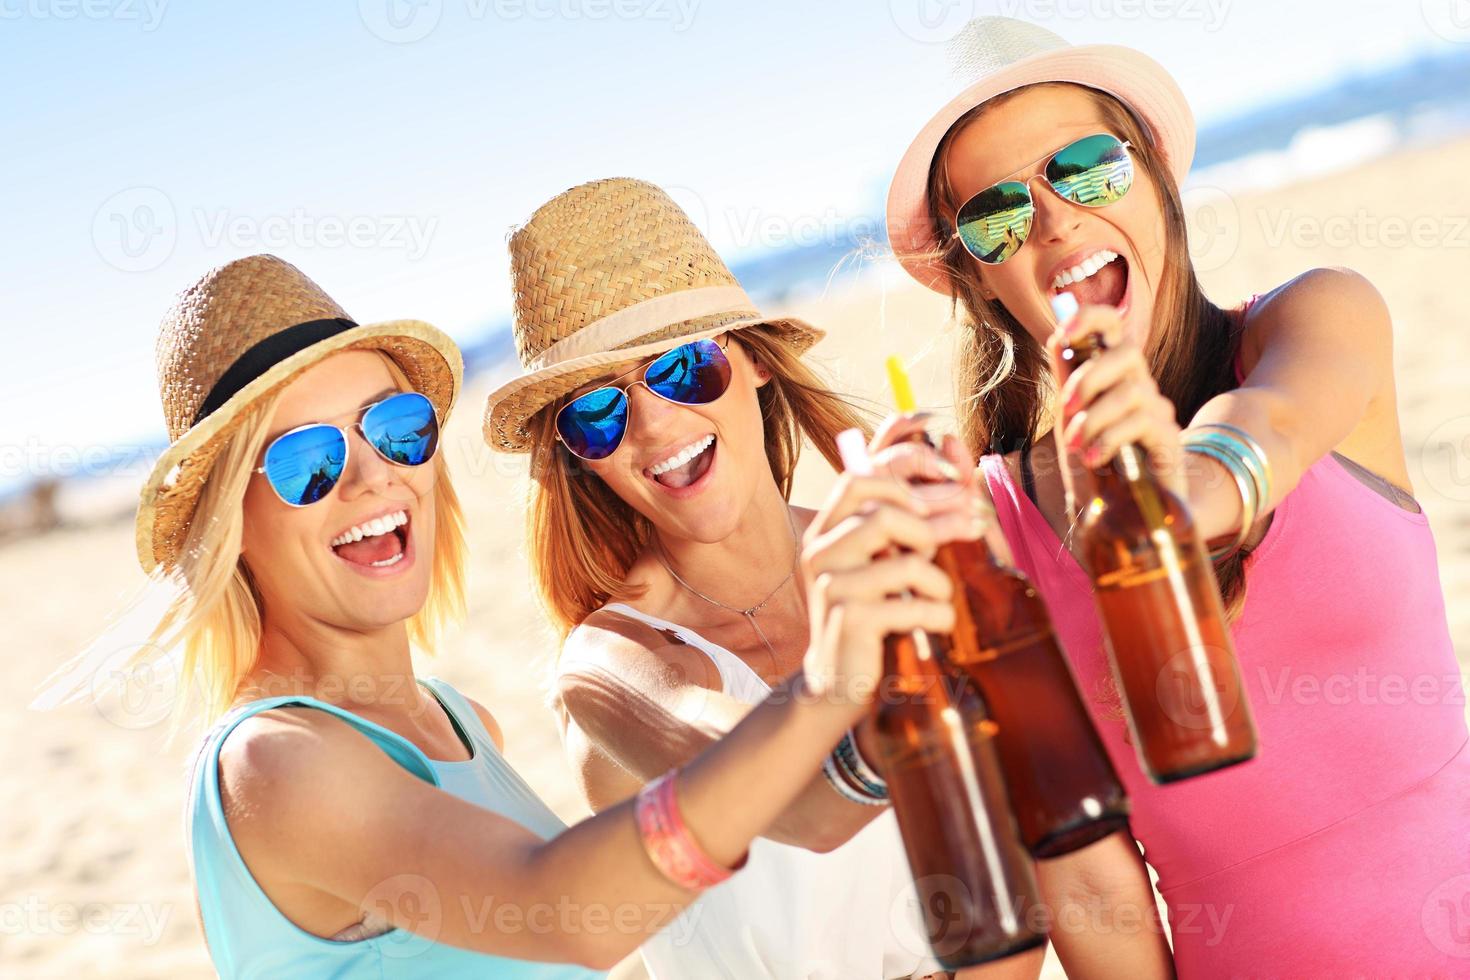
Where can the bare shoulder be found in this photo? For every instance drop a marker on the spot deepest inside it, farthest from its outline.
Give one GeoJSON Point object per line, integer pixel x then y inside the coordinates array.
{"type": "Point", "coordinates": [1326, 306]}
{"type": "Point", "coordinates": [635, 656]}
{"type": "Point", "coordinates": [281, 769]}
{"type": "Point", "coordinates": [488, 720]}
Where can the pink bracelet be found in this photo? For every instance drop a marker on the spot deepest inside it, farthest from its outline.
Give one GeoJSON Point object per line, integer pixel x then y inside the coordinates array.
{"type": "Point", "coordinates": [668, 842]}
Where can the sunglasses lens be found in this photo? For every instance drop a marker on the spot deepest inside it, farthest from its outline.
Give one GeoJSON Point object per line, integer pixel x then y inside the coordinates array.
{"type": "Point", "coordinates": [303, 466]}
{"type": "Point", "coordinates": [694, 374]}
{"type": "Point", "coordinates": [593, 425]}
{"type": "Point", "coordinates": [994, 223]}
{"type": "Point", "coordinates": [403, 429]}
{"type": "Point", "coordinates": [1093, 172]}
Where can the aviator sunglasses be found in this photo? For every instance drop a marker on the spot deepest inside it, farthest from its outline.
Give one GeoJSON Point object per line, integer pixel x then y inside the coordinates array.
{"type": "Point", "coordinates": [303, 465]}
{"type": "Point", "coordinates": [1094, 172]}
{"type": "Point", "coordinates": [592, 425]}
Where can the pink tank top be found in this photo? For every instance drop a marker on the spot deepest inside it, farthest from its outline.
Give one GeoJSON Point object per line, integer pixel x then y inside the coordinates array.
{"type": "Point", "coordinates": [1343, 848]}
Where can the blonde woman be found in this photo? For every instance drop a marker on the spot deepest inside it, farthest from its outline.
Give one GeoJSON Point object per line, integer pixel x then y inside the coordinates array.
{"type": "Point", "coordinates": [664, 415]}
{"type": "Point", "coordinates": [1057, 170]}
{"type": "Point", "coordinates": [346, 817]}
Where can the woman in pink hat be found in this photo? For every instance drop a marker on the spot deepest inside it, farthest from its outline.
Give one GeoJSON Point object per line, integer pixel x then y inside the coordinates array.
{"type": "Point", "coordinates": [1339, 849]}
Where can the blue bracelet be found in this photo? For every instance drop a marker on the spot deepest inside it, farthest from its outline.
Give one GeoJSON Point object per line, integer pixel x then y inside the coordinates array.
{"type": "Point", "coordinates": [856, 768]}
{"type": "Point", "coordinates": [845, 789]}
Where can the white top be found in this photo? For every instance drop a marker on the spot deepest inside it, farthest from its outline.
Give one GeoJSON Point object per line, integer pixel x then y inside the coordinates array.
{"type": "Point", "coordinates": [790, 913]}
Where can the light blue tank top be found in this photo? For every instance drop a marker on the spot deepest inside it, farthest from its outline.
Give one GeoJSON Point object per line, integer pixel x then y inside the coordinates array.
{"type": "Point", "coordinates": [249, 937]}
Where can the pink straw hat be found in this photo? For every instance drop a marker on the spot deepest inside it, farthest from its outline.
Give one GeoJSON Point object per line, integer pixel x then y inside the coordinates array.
{"type": "Point", "coordinates": [994, 55]}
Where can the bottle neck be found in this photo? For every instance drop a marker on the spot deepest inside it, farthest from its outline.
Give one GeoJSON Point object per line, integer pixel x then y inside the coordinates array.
{"type": "Point", "coordinates": [915, 660]}
{"type": "Point", "coordinates": [1119, 476]}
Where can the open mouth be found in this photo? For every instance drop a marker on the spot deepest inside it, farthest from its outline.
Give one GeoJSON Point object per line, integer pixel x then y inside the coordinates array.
{"type": "Point", "coordinates": [378, 543]}
{"type": "Point", "coordinates": [686, 467]}
{"type": "Point", "coordinates": [1099, 280]}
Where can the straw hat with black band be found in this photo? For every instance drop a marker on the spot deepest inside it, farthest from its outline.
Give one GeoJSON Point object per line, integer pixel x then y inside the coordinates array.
{"type": "Point", "coordinates": [608, 272]}
{"type": "Point", "coordinates": [994, 55]}
{"type": "Point", "coordinates": [241, 332]}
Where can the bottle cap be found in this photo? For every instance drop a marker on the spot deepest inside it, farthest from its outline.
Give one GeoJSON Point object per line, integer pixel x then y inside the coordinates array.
{"type": "Point", "coordinates": [853, 446]}
{"type": "Point", "coordinates": [898, 378]}
{"type": "Point", "coordinates": [1063, 307]}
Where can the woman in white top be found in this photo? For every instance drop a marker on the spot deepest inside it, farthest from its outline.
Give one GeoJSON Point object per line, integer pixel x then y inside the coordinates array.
{"type": "Point", "coordinates": [665, 551]}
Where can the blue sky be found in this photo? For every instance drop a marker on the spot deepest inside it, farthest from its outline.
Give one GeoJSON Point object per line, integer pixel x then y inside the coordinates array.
{"type": "Point", "coordinates": [388, 146]}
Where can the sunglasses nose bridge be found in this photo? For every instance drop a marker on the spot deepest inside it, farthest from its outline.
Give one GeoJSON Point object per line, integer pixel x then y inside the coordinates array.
{"type": "Point", "coordinates": [365, 468]}
{"type": "Point", "coordinates": [1050, 211]}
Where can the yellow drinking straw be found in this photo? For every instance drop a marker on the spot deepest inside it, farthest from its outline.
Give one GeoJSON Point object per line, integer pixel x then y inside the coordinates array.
{"type": "Point", "coordinates": [898, 379]}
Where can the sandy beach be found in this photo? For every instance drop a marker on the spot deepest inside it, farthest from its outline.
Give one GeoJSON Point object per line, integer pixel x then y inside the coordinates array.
{"type": "Point", "coordinates": [93, 874]}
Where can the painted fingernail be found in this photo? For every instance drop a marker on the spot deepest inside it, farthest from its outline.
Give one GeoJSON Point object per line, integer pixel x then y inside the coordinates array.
{"type": "Point", "coordinates": [853, 446]}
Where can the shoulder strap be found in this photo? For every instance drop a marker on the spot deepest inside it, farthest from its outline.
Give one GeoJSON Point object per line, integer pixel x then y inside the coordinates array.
{"type": "Point", "coordinates": [460, 709]}
{"type": "Point", "coordinates": [205, 798]}
{"type": "Point", "coordinates": [227, 892]}
{"type": "Point", "coordinates": [736, 676]}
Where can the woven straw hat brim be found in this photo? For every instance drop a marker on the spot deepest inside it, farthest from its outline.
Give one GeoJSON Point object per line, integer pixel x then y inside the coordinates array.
{"type": "Point", "coordinates": [428, 357]}
{"type": "Point", "coordinates": [510, 407]}
{"type": "Point", "coordinates": [1130, 76]}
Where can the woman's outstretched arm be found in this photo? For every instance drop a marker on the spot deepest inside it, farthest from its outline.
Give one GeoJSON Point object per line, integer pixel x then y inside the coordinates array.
{"type": "Point", "coordinates": [314, 805]}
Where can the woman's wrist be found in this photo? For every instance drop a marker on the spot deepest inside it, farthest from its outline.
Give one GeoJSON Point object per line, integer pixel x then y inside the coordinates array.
{"type": "Point", "coordinates": [1212, 496]}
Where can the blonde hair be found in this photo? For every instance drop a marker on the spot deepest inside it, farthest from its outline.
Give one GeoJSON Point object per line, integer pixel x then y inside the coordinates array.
{"type": "Point", "coordinates": [1002, 372]}
{"type": "Point", "coordinates": [583, 538]}
{"type": "Point", "coordinates": [212, 612]}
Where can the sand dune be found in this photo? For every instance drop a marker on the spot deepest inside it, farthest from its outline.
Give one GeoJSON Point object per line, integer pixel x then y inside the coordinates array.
{"type": "Point", "coordinates": [93, 879]}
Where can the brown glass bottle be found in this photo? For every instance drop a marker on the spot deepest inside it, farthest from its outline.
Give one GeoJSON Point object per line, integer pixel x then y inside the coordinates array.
{"type": "Point", "coordinates": [1162, 618]}
{"type": "Point", "coordinates": [1063, 788]}
{"type": "Point", "coordinates": [973, 877]}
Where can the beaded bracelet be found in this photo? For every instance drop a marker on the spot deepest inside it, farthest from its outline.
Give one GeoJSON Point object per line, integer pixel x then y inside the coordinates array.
{"type": "Point", "coordinates": [668, 842]}
{"type": "Point", "coordinates": [844, 787]}
{"type": "Point", "coordinates": [855, 766]}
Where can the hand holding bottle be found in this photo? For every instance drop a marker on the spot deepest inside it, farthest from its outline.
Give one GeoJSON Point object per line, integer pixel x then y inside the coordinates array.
{"type": "Point", "coordinates": [867, 563]}
{"type": "Point", "coordinates": [1111, 400]}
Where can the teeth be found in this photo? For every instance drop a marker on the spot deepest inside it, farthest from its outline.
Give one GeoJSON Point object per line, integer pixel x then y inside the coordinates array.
{"type": "Point", "coordinates": [371, 529]}
{"type": "Point", "coordinates": [682, 456]}
{"type": "Point", "coordinates": [387, 561]}
{"type": "Point", "coordinates": [1083, 269]}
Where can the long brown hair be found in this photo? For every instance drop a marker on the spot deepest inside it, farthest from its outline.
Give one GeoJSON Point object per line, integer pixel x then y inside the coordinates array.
{"type": "Point", "coordinates": [1003, 376]}
{"type": "Point", "coordinates": [583, 538]}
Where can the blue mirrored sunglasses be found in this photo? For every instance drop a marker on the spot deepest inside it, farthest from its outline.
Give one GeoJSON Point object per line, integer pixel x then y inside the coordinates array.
{"type": "Point", "coordinates": [303, 465]}
{"type": "Point", "coordinates": [592, 426]}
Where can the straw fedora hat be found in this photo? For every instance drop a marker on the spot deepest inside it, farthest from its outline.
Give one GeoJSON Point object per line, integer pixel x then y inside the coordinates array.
{"type": "Point", "coordinates": [994, 55]}
{"type": "Point", "coordinates": [241, 332]}
{"type": "Point", "coordinates": [607, 272]}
